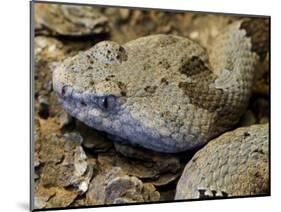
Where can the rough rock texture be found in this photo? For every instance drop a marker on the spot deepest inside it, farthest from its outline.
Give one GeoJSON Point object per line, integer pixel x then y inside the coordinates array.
{"type": "Point", "coordinates": [234, 164]}
{"type": "Point", "coordinates": [47, 51]}
{"type": "Point", "coordinates": [115, 187]}
{"type": "Point", "coordinates": [152, 167]}
{"type": "Point", "coordinates": [160, 91]}
{"type": "Point", "coordinates": [63, 169]}
{"type": "Point", "coordinates": [69, 20]}
{"type": "Point", "coordinates": [61, 179]}
{"type": "Point", "coordinates": [94, 140]}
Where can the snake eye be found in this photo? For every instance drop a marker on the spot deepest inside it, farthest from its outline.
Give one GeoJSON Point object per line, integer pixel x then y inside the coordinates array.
{"type": "Point", "coordinates": [106, 102]}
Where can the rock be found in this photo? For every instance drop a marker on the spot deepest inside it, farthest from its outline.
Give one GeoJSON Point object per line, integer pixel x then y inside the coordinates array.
{"type": "Point", "coordinates": [205, 28]}
{"type": "Point", "coordinates": [232, 165]}
{"type": "Point", "coordinates": [165, 179]}
{"type": "Point", "coordinates": [43, 110]}
{"type": "Point", "coordinates": [42, 197]}
{"type": "Point", "coordinates": [150, 193]}
{"type": "Point", "coordinates": [92, 139]}
{"type": "Point", "coordinates": [69, 20]}
{"type": "Point", "coordinates": [163, 161]}
{"type": "Point", "coordinates": [124, 13]}
{"type": "Point", "coordinates": [123, 186]}
{"type": "Point", "coordinates": [53, 197]}
{"type": "Point", "coordinates": [164, 168]}
{"type": "Point", "coordinates": [47, 51]}
{"type": "Point", "coordinates": [65, 120]}
{"type": "Point", "coordinates": [115, 187]}
{"type": "Point", "coordinates": [136, 168]}
{"type": "Point", "coordinates": [65, 170]}
{"type": "Point", "coordinates": [37, 146]}
{"type": "Point", "coordinates": [158, 170]}
{"type": "Point", "coordinates": [36, 160]}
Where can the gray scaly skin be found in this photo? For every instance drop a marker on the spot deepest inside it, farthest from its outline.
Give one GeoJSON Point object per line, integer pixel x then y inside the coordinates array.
{"type": "Point", "coordinates": [234, 164]}
{"type": "Point", "coordinates": [162, 92]}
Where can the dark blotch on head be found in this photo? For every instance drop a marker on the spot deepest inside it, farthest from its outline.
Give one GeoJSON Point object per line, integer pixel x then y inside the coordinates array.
{"type": "Point", "coordinates": [92, 83]}
{"type": "Point", "coordinates": [202, 95]}
{"type": "Point", "coordinates": [122, 86]}
{"type": "Point", "coordinates": [165, 64]}
{"type": "Point", "coordinates": [164, 81]}
{"type": "Point", "coordinates": [109, 77]}
{"type": "Point", "coordinates": [258, 30]}
{"type": "Point", "coordinates": [122, 56]}
{"type": "Point", "coordinates": [192, 66]}
{"type": "Point", "coordinates": [150, 89]}
{"type": "Point", "coordinates": [123, 93]}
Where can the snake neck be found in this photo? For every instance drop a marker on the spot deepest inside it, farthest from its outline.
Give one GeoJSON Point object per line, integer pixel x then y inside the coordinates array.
{"type": "Point", "coordinates": [235, 52]}
{"type": "Point", "coordinates": [233, 57]}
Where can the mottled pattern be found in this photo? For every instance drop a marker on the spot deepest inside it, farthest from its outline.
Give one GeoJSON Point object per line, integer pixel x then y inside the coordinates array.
{"type": "Point", "coordinates": [61, 164]}
{"type": "Point", "coordinates": [234, 164]}
{"type": "Point", "coordinates": [161, 92]}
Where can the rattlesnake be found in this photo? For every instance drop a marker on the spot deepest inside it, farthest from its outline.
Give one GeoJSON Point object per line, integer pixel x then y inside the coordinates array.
{"type": "Point", "coordinates": [164, 92]}
{"type": "Point", "coordinates": [234, 164]}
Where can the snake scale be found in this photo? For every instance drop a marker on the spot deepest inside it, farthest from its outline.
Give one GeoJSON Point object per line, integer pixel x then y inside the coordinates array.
{"type": "Point", "coordinates": [234, 164]}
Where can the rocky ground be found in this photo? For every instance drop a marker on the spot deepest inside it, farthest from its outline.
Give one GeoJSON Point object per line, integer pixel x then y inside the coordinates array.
{"type": "Point", "coordinates": [76, 165]}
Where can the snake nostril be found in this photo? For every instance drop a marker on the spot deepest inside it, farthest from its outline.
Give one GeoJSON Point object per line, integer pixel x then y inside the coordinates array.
{"type": "Point", "coordinates": [83, 103]}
